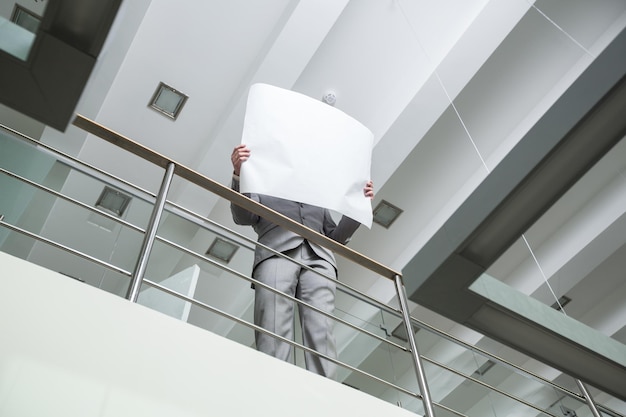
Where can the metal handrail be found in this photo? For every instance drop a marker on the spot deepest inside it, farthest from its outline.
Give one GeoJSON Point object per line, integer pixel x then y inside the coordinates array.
{"type": "Point", "coordinates": [99, 174]}
{"type": "Point", "coordinates": [261, 210]}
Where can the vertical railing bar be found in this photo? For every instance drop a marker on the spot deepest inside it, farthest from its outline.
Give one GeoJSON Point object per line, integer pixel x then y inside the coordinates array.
{"type": "Point", "coordinates": [417, 361]}
{"type": "Point", "coordinates": [590, 402]}
{"type": "Point", "coordinates": [151, 230]}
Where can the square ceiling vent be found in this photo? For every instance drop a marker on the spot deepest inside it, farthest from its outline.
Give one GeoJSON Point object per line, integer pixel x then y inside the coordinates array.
{"type": "Point", "coordinates": [113, 201]}
{"type": "Point", "coordinates": [168, 101]}
{"type": "Point", "coordinates": [386, 213]}
{"type": "Point", "coordinates": [222, 249]}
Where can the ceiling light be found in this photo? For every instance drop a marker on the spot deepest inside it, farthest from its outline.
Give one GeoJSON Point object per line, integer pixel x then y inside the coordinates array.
{"type": "Point", "coordinates": [168, 101]}
{"type": "Point", "coordinates": [113, 201]}
{"type": "Point", "coordinates": [222, 249]}
{"type": "Point", "coordinates": [25, 18]}
{"type": "Point", "coordinates": [386, 213]}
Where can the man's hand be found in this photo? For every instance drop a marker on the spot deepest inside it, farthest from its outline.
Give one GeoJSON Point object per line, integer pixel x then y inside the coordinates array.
{"type": "Point", "coordinates": [240, 155]}
{"type": "Point", "coordinates": [368, 190]}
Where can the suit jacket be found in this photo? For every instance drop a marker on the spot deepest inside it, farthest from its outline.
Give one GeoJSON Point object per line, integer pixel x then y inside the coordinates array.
{"type": "Point", "coordinates": [280, 239]}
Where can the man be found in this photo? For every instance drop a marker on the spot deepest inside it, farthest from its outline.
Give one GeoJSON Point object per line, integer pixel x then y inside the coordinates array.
{"type": "Point", "coordinates": [275, 312]}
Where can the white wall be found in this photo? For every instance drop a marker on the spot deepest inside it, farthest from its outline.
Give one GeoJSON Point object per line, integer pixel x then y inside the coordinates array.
{"type": "Point", "coordinates": [71, 350]}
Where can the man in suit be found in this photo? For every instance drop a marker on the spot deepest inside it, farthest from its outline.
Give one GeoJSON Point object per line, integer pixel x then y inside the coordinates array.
{"type": "Point", "coordinates": [275, 312]}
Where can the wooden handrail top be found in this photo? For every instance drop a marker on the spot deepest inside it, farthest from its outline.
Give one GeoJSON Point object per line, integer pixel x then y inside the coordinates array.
{"type": "Point", "coordinates": [234, 197]}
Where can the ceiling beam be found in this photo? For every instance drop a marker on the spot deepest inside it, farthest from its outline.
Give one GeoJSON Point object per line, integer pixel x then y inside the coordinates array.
{"type": "Point", "coordinates": [578, 130]}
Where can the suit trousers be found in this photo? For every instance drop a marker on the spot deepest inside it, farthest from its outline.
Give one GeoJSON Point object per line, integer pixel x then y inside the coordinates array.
{"type": "Point", "coordinates": [276, 313]}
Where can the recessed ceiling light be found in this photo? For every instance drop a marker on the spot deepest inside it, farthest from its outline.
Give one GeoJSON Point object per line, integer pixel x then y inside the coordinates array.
{"type": "Point", "coordinates": [386, 213]}
{"type": "Point", "coordinates": [168, 101]}
{"type": "Point", "coordinates": [222, 249]}
{"type": "Point", "coordinates": [25, 18]}
{"type": "Point", "coordinates": [113, 201]}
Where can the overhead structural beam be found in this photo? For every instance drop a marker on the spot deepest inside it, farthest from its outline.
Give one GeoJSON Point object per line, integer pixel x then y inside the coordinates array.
{"type": "Point", "coordinates": [578, 130]}
{"type": "Point", "coordinates": [49, 83]}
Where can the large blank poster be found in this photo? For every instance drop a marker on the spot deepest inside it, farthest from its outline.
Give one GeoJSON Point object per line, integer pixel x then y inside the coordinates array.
{"type": "Point", "coordinates": [304, 150]}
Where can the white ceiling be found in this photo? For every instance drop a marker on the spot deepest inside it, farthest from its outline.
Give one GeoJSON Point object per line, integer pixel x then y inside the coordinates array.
{"type": "Point", "coordinates": [447, 88]}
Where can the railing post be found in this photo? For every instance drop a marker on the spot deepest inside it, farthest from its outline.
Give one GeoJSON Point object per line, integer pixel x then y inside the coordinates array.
{"type": "Point", "coordinates": [417, 360]}
{"type": "Point", "coordinates": [587, 395]}
{"type": "Point", "coordinates": [148, 239]}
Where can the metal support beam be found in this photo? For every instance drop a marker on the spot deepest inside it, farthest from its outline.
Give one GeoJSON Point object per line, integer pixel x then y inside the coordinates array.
{"type": "Point", "coordinates": [151, 230]}
{"type": "Point", "coordinates": [417, 360]}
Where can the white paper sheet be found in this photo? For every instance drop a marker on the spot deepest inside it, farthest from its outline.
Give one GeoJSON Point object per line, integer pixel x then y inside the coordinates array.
{"type": "Point", "coordinates": [304, 150]}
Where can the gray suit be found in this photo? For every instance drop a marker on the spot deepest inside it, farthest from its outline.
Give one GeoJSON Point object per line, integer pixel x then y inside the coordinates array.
{"type": "Point", "coordinates": [276, 313]}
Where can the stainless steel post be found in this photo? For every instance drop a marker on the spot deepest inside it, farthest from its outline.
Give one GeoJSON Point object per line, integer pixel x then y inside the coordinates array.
{"type": "Point", "coordinates": [590, 402]}
{"type": "Point", "coordinates": [417, 360]}
{"type": "Point", "coordinates": [148, 240]}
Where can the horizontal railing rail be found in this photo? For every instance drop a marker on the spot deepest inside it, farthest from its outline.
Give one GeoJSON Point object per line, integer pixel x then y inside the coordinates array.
{"type": "Point", "coordinates": [275, 291]}
{"type": "Point", "coordinates": [341, 286]}
{"type": "Point", "coordinates": [423, 325]}
{"type": "Point", "coordinates": [63, 247]}
{"type": "Point", "coordinates": [288, 341]}
{"type": "Point", "coordinates": [71, 200]}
